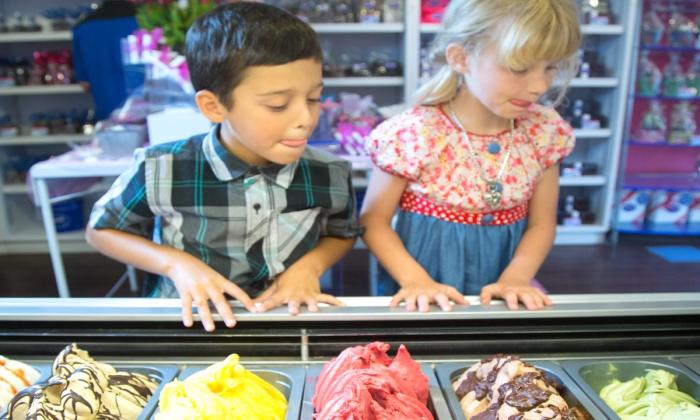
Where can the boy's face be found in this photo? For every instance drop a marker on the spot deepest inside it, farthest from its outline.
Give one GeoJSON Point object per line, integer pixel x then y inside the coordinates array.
{"type": "Point", "coordinates": [275, 110]}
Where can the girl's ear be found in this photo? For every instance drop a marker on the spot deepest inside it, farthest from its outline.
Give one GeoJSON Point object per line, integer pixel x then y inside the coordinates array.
{"type": "Point", "coordinates": [210, 106]}
{"type": "Point", "coordinates": [457, 58]}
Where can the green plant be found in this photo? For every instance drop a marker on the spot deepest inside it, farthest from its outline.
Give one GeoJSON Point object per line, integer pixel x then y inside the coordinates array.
{"type": "Point", "coordinates": [173, 17]}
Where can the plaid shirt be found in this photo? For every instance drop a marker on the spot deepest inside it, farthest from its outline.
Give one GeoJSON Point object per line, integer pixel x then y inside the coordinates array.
{"type": "Point", "coordinates": [248, 223]}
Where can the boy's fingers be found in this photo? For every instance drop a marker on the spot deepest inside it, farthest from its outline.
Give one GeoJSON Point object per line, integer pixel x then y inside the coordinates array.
{"type": "Point", "coordinates": [529, 301]}
{"type": "Point", "coordinates": [396, 300]}
{"type": "Point", "coordinates": [240, 295]}
{"type": "Point", "coordinates": [223, 308]}
{"type": "Point", "coordinates": [456, 297]}
{"type": "Point", "coordinates": [312, 304]}
{"type": "Point", "coordinates": [410, 303]}
{"type": "Point", "coordinates": [203, 310]}
{"type": "Point", "coordinates": [293, 307]}
{"type": "Point", "coordinates": [486, 295]}
{"type": "Point", "coordinates": [186, 300]}
{"type": "Point", "coordinates": [511, 299]}
{"type": "Point", "coordinates": [546, 299]}
{"type": "Point", "coordinates": [271, 303]}
{"type": "Point", "coordinates": [266, 294]}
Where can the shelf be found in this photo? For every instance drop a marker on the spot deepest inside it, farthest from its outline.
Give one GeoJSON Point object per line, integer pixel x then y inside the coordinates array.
{"type": "Point", "coordinates": [44, 36]}
{"type": "Point", "coordinates": [595, 82]}
{"type": "Point", "coordinates": [581, 229]}
{"type": "Point", "coordinates": [362, 81]}
{"type": "Point", "coordinates": [15, 189]}
{"type": "Point", "coordinates": [664, 181]}
{"type": "Point", "coordinates": [668, 48]}
{"type": "Point", "coordinates": [592, 133]}
{"type": "Point", "coordinates": [50, 139]}
{"type": "Point", "coordinates": [41, 90]}
{"type": "Point", "coordinates": [430, 28]}
{"type": "Point", "coordinates": [582, 181]}
{"type": "Point", "coordinates": [602, 29]}
{"type": "Point", "coordinates": [645, 144]}
{"type": "Point", "coordinates": [667, 98]}
{"type": "Point", "coordinates": [357, 28]}
{"type": "Point", "coordinates": [671, 230]}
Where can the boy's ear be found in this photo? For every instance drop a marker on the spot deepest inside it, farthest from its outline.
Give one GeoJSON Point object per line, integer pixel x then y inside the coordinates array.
{"type": "Point", "coordinates": [457, 58]}
{"type": "Point", "coordinates": [209, 105]}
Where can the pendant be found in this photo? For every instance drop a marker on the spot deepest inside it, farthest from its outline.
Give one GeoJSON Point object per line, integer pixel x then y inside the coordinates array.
{"type": "Point", "coordinates": [494, 193]}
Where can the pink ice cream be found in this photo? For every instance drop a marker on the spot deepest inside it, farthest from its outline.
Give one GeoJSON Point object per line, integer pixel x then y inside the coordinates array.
{"type": "Point", "coordinates": [364, 382]}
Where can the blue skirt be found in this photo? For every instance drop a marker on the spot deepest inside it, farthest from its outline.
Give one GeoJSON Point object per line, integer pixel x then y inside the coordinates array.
{"type": "Point", "coordinates": [467, 257]}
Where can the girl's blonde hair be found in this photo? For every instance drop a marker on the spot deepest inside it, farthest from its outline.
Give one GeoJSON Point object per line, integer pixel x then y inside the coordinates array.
{"type": "Point", "coordinates": [524, 32]}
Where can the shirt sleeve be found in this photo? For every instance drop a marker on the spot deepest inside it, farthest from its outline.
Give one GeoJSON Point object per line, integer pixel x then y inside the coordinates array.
{"type": "Point", "coordinates": [125, 206]}
{"type": "Point", "coordinates": [79, 70]}
{"type": "Point", "coordinates": [340, 220]}
{"type": "Point", "coordinates": [554, 138]}
{"type": "Point", "coordinates": [395, 146]}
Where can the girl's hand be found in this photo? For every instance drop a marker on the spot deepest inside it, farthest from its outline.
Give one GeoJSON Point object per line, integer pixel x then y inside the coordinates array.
{"type": "Point", "coordinates": [298, 285]}
{"type": "Point", "coordinates": [197, 282]}
{"type": "Point", "coordinates": [425, 294]}
{"type": "Point", "coordinates": [512, 292]}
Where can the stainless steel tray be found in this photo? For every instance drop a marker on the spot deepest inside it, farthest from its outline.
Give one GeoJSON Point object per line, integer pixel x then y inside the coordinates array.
{"type": "Point", "coordinates": [44, 370]}
{"type": "Point", "coordinates": [572, 394]}
{"type": "Point", "coordinates": [692, 362]}
{"type": "Point", "coordinates": [161, 373]}
{"type": "Point", "coordinates": [593, 375]}
{"type": "Point", "coordinates": [436, 401]}
{"type": "Point", "coordinates": [289, 380]}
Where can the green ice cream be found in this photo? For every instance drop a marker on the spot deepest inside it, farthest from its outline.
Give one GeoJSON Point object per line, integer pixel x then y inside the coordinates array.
{"type": "Point", "coordinates": [654, 396]}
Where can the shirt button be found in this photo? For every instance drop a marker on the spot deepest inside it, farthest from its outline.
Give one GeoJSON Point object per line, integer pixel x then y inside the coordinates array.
{"type": "Point", "coordinates": [487, 219]}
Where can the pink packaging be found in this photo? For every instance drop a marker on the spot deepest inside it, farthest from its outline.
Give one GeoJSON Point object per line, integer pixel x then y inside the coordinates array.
{"type": "Point", "coordinates": [694, 214]}
{"type": "Point", "coordinates": [633, 208]}
{"type": "Point", "coordinates": [669, 208]}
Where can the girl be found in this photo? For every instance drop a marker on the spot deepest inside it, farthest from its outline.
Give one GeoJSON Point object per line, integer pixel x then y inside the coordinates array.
{"type": "Point", "coordinates": [473, 168]}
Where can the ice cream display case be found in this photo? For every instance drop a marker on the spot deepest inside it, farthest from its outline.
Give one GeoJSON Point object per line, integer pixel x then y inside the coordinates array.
{"type": "Point", "coordinates": [582, 344]}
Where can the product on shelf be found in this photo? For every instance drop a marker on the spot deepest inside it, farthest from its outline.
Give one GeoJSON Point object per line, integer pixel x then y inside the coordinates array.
{"type": "Point", "coordinates": [649, 78]}
{"type": "Point", "coordinates": [669, 208]}
{"type": "Point", "coordinates": [82, 388]}
{"type": "Point", "coordinates": [653, 125]}
{"type": "Point", "coordinates": [694, 214]}
{"type": "Point", "coordinates": [577, 168]}
{"type": "Point", "coordinates": [682, 123]}
{"type": "Point", "coordinates": [224, 390]}
{"type": "Point", "coordinates": [674, 78]}
{"type": "Point", "coordinates": [431, 11]}
{"type": "Point", "coordinates": [692, 77]}
{"type": "Point", "coordinates": [632, 209]}
{"type": "Point", "coordinates": [681, 30]}
{"type": "Point", "coordinates": [653, 28]}
{"type": "Point", "coordinates": [574, 211]}
{"type": "Point", "coordinates": [654, 396]}
{"type": "Point", "coordinates": [504, 387]}
{"type": "Point", "coordinates": [595, 12]}
{"type": "Point", "coordinates": [364, 382]}
{"type": "Point", "coordinates": [14, 376]}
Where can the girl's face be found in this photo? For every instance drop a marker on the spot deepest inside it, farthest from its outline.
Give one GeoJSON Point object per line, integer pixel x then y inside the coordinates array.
{"type": "Point", "coordinates": [275, 110]}
{"type": "Point", "coordinates": [504, 92]}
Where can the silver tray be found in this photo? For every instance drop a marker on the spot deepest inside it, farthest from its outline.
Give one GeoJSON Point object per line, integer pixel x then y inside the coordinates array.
{"type": "Point", "coordinates": [572, 394]}
{"type": "Point", "coordinates": [162, 374]}
{"type": "Point", "coordinates": [692, 362]}
{"type": "Point", "coordinates": [436, 401]}
{"type": "Point", "coordinates": [289, 380]}
{"type": "Point", "coordinates": [593, 375]}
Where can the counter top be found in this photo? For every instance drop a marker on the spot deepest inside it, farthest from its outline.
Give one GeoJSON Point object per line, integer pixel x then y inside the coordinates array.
{"type": "Point", "coordinates": [356, 309]}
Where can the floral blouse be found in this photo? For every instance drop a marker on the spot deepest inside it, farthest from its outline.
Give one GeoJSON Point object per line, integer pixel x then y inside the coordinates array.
{"type": "Point", "coordinates": [424, 146]}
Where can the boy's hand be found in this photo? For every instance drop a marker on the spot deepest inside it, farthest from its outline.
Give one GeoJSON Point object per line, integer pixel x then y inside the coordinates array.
{"type": "Point", "coordinates": [197, 282]}
{"type": "Point", "coordinates": [426, 292]}
{"type": "Point", "coordinates": [514, 291]}
{"type": "Point", "coordinates": [296, 286]}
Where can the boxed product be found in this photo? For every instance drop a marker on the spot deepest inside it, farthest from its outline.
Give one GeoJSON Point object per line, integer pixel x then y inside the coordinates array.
{"type": "Point", "coordinates": [632, 209]}
{"type": "Point", "coordinates": [669, 208]}
{"type": "Point", "coordinates": [694, 214]}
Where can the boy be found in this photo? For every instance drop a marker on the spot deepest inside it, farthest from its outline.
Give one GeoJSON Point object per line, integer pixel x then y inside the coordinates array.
{"type": "Point", "coordinates": [245, 209]}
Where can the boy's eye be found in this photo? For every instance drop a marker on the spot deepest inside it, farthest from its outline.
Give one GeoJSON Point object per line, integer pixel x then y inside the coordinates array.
{"type": "Point", "coordinates": [314, 100]}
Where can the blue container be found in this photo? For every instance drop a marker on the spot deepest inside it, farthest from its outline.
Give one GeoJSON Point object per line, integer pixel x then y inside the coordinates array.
{"type": "Point", "coordinates": [68, 215]}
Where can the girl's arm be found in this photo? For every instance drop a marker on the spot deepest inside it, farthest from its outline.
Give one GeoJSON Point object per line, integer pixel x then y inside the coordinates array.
{"type": "Point", "coordinates": [380, 202]}
{"type": "Point", "coordinates": [514, 282]}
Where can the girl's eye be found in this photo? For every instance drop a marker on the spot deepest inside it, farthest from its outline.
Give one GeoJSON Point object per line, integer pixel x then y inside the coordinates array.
{"type": "Point", "coordinates": [518, 71]}
{"type": "Point", "coordinates": [314, 100]}
{"type": "Point", "coordinates": [277, 108]}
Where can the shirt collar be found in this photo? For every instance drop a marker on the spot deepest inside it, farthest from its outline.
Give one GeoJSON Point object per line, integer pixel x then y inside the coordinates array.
{"type": "Point", "coordinates": [227, 167]}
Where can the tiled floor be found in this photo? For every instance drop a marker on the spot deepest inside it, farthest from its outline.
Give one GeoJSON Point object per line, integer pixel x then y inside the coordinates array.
{"type": "Point", "coordinates": [629, 267]}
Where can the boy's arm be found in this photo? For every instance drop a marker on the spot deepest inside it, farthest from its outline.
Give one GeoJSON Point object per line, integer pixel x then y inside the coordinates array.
{"type": "Point", "coordinates": [417, 287]}
{"type": "Point", "coordinates": [514, 282]}
{"type": "Point", "coordinates": [195, 281]}
{"type": "Point", "coordinates": [299, 284]}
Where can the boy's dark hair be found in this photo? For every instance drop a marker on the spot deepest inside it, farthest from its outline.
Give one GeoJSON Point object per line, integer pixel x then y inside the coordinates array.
{"type": "Point", "coordinates": [222, 43]}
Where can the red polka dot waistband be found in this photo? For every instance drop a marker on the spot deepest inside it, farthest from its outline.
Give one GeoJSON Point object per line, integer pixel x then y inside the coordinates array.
{"type": "Point", "coordinates": [413, 203]}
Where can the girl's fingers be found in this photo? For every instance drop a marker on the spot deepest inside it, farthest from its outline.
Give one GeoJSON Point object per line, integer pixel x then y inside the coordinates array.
{"type": "Point", "coordinates": [423, 302]}
{"type": "Point", "coordinates": [329, 299]}
{"type": "Point", "coordinates": [443, 301]}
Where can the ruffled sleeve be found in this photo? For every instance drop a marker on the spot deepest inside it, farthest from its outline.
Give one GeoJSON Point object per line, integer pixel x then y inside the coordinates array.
{"type": "Point", "coordinates": [397, 145]}
{"type": "Point", "coordinates": [553, 137]}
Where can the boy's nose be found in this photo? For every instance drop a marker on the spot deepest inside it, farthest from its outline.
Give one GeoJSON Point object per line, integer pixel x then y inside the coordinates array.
{"type": "Point", "coordinates": [305, 118]}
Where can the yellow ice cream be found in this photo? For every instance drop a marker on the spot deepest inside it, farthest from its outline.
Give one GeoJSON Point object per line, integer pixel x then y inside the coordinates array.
{"type": "Point", "coordinates": [654, 396]}
{"type": "Point", "coordinates": [224, 390]}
